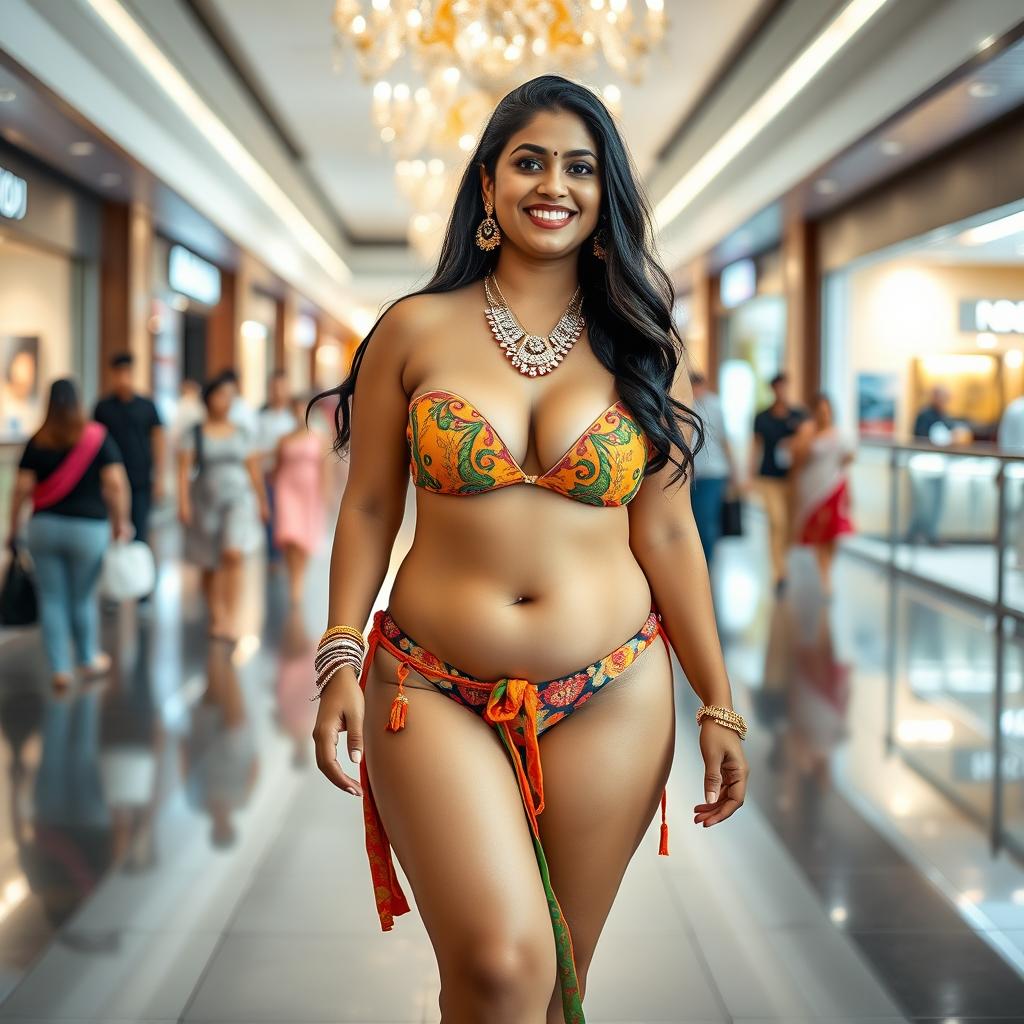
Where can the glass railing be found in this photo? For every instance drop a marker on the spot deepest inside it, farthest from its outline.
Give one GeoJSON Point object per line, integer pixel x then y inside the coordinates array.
{"type": "Point", "coordinates": [949, 525]}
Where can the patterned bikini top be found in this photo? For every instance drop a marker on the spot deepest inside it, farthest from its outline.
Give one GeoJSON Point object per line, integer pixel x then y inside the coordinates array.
{"type": "Point", "coordinates": [455, 450]}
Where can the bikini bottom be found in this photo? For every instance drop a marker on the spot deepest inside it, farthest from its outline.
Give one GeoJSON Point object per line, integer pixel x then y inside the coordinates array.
{"type": "Point", "coordinates": [520, 712]}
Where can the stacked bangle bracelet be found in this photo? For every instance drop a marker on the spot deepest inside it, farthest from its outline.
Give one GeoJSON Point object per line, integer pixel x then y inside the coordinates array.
{"type": "Point", "coordinates": [338, 647]}
{"type": "Point", "coordinates": [723, 716]}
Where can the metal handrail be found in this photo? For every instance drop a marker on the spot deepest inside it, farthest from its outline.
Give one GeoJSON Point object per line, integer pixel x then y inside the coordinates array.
{"type": "Point", "coordinates": [975, 450]}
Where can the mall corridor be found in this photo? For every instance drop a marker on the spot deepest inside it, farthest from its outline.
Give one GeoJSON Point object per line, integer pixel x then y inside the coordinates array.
{"type": "Point", "coordinates": [175, 855]}
{"type": "Point", "coordinates": [270, 274]}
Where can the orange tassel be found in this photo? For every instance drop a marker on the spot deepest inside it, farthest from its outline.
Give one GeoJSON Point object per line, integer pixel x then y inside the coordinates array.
{"type": "Point", "coordinates": [663, 845]}
{"type": "Point", "coordinates": [399, 709]}
{"type": "Point", "coordinates": [400, 705]}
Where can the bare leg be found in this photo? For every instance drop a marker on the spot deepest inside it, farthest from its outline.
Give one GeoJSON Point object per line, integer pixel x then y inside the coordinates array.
{"type": "Point", "coordinates": [604, 771]}
{"type": "Point", "coordinates": [295, 559]}
{"type": "Point", "coordinates": [448, 798]}
{"type": "Point", "coordinates": [230, 583]}
{"type": "Point", "coordinates": [825, 554]}
{"type": "Point", "coordinates": [211, 592]}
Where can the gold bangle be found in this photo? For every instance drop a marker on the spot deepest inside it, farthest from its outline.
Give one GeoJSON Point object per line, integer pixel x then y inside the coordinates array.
{"type": "Point", "coordinates": [723, 716]}
{"type": "Point", "coordinates": [343, 631]}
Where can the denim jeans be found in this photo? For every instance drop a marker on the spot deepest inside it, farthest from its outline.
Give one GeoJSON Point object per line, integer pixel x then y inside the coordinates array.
{"type": "Point", "coordinates": [927, 491]}
{"type": "Point", "coordinates": [706, 497]}
{"type": "Point", "coordinates": [67, 552]}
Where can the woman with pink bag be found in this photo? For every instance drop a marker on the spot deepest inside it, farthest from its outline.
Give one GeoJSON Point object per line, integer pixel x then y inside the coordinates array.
{"type": "Point", "coordinates": [73, 472]}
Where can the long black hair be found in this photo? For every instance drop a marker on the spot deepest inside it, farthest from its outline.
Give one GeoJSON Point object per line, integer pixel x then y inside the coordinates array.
{"type": "Point", "coordinates": [627, 298]}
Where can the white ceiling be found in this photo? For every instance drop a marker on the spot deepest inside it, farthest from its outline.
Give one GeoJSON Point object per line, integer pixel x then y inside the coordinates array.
{"type": "Point", "coordinates": [286, 51]}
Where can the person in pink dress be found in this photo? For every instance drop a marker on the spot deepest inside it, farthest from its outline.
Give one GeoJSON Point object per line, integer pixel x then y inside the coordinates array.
{"type": "Point", "coordinates": [821, 455]}
{"type": "Point", "coordinates": [300, 470]}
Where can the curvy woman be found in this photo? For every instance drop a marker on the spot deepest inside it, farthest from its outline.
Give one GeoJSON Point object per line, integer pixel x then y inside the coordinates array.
{"type": "Point", "coordinates": [820, 457]}
{"type": "Point", "coordinates": [515, 705]}
{"type": "Point", "coordinates": [72, 471]}
{"type": "Point", "coordinates": [299, 485]}
{"type": "Point", "coordinates": [222, 503]}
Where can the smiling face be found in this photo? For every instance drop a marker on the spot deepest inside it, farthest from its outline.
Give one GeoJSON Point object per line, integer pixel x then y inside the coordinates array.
{"type": "Point", "coordinates": [546, 187]}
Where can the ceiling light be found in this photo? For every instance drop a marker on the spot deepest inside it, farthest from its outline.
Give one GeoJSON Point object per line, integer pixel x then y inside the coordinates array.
{"type": "Point", "coordinates": [983, 90]}
{"type": "Point", "coordinates": [995, 230]}
{"type": "Point", "coordinates": [826, 186]}
{"type": "Point", "coordinates": [767, 107]}
{"type": "Point", "coordinates": [986, 43]}
{"type": "Point", "coordinates": [177, 88]}
{"type": "Point", "coordinates": [108, 179]}
{"type": "Point", "coordinates": [82, 148]}
{"type": "Point", "coordinates": [8, 95]}
{"type": "Point", "coordinates": [891, 147]}
{"type": "Point", "coordinates": [986, 339]}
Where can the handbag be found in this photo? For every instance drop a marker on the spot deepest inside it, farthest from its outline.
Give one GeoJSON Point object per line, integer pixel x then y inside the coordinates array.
{"type": "Point", "coordinates": [128, 571]}
{"type": "Point", "coordinates": [732, 517]}
{"type": "Point", "coordinates": [18, 603]}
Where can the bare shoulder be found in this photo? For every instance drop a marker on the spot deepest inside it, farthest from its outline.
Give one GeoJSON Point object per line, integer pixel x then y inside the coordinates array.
{"type": "Point", "coordinates": [423, 313]}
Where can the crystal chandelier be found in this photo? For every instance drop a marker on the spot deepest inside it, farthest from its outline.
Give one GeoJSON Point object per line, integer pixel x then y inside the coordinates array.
{"type": "Point", "coordinates": [499, 43]}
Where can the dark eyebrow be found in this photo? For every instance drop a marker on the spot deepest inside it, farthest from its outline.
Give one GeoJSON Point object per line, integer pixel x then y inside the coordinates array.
{"type": "Point", "coordinates": [541, 151]}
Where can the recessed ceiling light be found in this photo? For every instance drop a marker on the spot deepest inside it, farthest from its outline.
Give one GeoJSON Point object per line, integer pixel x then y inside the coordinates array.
{"type": "Point", "coordinates": [986, 43]}
{"type": "Point", "coordinates": [983, 90]}
{"type": "Point", "coordinates": [81, 148]}
{"type": "Point", "coordinates": [7, 95]}
{"type": "Point", "coordinates": [108, 179]}
{"type": "Point", "coordinates": [891, 147]}
{"type": "Point", "coordinates": [826, 186]}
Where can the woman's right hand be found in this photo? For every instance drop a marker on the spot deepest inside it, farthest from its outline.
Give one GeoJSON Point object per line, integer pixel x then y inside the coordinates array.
{"type": "Point", "coordinates": [341, 710]}
{"type": "Point", "coordinates": [185, 514]}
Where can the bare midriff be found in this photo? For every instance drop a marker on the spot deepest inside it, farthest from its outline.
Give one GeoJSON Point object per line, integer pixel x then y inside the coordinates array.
{"type": "Point", "coordinates": [519, 582]}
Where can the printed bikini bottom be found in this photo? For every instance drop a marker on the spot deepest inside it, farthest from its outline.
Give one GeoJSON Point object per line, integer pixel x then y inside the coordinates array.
{"type": "Point", "coordinates": [520, 712]}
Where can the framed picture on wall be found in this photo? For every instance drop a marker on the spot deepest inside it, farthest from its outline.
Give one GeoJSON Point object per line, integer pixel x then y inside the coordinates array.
{"type": "Point", "coordinates": [876, 404]}
{"type": "Point", "coordinates": [20, 405]}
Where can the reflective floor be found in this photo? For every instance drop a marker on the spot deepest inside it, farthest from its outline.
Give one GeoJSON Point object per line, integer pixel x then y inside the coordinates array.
{"type": "Point", "coordinates": [172, 854]}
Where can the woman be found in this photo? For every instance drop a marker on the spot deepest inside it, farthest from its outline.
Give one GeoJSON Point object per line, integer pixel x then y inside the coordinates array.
{"type": "Point", "coordinates": [72, 470]}
{"type": "Point", "coordinates": [221, 503]}
{"type": "Point", "coordinates": [299, 486]}
{"type": "Point", "coordinates": [822, 494]}
{"type": "Point", "coordinates": [509, 588]}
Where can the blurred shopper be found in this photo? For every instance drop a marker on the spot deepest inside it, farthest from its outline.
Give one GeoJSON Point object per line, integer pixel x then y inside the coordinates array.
{"type": "Point", "coordinates": [770, 470]}
{"type": "Point", "coordinates": [72, 470]}
{"type": "Point", "coordinates": [190, 408]}
{"type": "Point", "coordinates": [135, 426]}
{"type": "Point", "coordinates": [221, 502]}
{"type": "Point", "coordinates": [242, 413]}
{"type": "Point", "coordinates": [928, 478]}
{"type": "Point", "coordinates": [713, 466]}
{"type": "Point", "coordinates": [299, 485]}
{"type": "Point", "coordinates": [1011, 441]}
{"type": "Point", "coordinates": [276, 419]}
{"type": "Point", "coordinates": [822, 494]}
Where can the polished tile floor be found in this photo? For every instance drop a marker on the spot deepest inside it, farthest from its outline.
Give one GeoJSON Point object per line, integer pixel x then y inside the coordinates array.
{"type": "Point", "coordinates": [170, 853]}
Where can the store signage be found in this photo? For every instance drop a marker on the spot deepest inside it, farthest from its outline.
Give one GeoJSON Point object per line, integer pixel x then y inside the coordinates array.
{"type": "Point", "coordinates": [13, 195]}
{"type": "Point", "coordinates": [190, 275]}
{"type": "Point", "coordinates": [995, 316]}
{"type": "Point", "coordinates": [738, 283]}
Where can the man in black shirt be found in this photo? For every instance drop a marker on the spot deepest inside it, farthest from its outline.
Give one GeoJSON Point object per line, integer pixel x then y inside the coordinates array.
{"type": "Point", "coordinates": [770, 470]}
{"type": "Point", "coordinates": [135, 425]}
{"type": "Point", "coordinates": [933, 425]}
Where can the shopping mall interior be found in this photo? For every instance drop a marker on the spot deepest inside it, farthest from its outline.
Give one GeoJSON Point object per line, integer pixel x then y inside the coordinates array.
{"type": "Point", "coordinates": [836, 193]}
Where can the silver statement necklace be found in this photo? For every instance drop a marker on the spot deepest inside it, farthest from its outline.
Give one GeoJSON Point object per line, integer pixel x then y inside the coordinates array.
{"type": "Point", "coordinates": [532, 354]}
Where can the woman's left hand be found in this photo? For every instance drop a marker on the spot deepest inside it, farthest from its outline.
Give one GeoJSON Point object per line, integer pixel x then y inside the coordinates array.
{"type": "Point", "coordinates": [264, 510]}
{"type": "Point", "coordinates": [725, 773]}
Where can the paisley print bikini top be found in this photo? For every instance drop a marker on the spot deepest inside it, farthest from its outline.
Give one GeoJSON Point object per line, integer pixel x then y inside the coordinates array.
{"type": "Point", "coordinates": [455, 450]}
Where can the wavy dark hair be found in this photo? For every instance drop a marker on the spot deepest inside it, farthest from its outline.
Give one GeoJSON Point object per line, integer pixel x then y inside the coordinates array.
{"type": "Point", "coordinates": [627, 298]}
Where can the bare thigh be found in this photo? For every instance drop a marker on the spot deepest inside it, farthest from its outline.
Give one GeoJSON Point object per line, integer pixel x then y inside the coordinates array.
{"type": "Point", "coordinates": [448, 797]}
{"type": "Point", "coordinates": [605, 768]}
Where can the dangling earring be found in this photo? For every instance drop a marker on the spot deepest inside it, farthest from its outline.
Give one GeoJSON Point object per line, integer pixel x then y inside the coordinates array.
{"type": "Point", "coordinates": [488, 235]}
{"type": "Point", "coordinates": [600, 244]}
